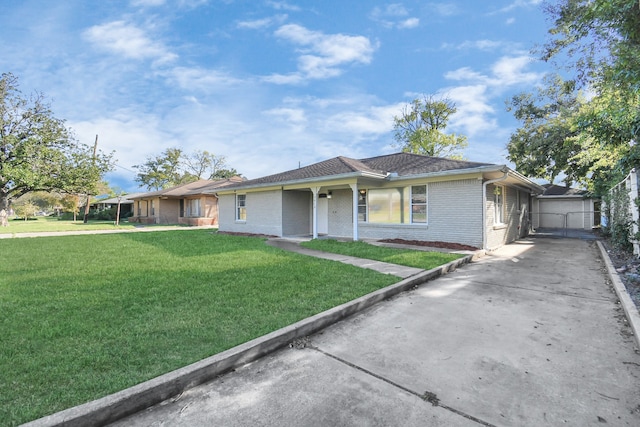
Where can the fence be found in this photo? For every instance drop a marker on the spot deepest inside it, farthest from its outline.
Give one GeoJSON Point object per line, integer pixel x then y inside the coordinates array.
{"type": "Point", "coordinates": [575, 220]}
{"type": "Point", "coordinates": [622, 211]}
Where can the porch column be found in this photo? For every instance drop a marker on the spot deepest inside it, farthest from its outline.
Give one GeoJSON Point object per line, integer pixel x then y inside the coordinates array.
{"type": "Point", "coordinates": [354, 209]}
{"type": "Point", "coordinates": [314, 218]}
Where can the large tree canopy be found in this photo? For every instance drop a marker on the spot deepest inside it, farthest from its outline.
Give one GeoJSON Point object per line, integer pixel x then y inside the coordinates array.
{"type": "Point", "coordinates": [592, 138]}
{"type": "Point", "coordinates": [421, 126]}
{"type": "Point", "coordinates": [37, 151]}
{"type": "Point", "coordinates": [174, 167]}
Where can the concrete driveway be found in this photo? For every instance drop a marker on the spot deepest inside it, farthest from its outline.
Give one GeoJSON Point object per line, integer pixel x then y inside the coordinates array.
{"type": "Point", "coordinates": [530, 335]}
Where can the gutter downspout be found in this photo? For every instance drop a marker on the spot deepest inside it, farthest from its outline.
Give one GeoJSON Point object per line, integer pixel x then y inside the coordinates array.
{"type": "Point", "coordinates": [484, 205]}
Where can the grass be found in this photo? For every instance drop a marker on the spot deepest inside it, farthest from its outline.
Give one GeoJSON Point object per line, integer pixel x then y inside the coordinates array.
{"type": "Point", "coordinates": [411, 258]}
{"type": "Point", "coordinates": [44, 224]}
{"type": "Point", "coordinates": [85, 316]}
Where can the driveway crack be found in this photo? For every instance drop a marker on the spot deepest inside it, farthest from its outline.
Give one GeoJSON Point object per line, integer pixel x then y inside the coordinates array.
{"type": "Point", "coordinates": [427, 396]}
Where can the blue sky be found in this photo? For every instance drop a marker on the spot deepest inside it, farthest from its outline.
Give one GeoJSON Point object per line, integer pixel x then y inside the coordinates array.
{"type": "Point", "coordinates": [270, 84]}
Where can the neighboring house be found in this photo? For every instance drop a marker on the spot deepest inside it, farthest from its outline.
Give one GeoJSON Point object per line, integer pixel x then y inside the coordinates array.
{"type": "Point", "coordinates": [194, 203]}
{"type": "Point", "coordinates": [126, 204]}
{"type": "Point", "coordinates": [401, 196]}
{"type": "Point", "coordinates": [565, 207]}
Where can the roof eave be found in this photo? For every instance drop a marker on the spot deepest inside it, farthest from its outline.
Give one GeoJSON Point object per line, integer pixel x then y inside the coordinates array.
{"type": "Point", "coordinates": [358, 174]}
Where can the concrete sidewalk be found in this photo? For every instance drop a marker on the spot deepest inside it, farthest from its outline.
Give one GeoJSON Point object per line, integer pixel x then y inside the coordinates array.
{"type": "Point", "coordinates": [526, 336]}
{"type": "Point", "coordinates": [381, 267]}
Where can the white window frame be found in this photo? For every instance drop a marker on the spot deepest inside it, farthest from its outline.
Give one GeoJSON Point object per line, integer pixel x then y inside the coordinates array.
{"type": "Point", "coordinates": [425, 204]}
{"type": "Point", "coordinates": [241, 207]}
{"type": "Point", "coordinates": [363, 197]}
{"type": "Point", "coordinates": [498, 204]}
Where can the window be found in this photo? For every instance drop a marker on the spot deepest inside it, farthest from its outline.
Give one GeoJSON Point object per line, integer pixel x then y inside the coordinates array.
{"type": "Point", "coordinates": [402, 205]}
{"type": "Point", "coordinates": [362, 206]}
{"type": "Point", "coordinates": [241, 207]}
{"type": "Point", "coordinates": [389, 206]}
{"type": "Point", "coordinates": [193, 208]}
{"type": "Point", "coordinates": [419, 204]}
{"type": "Point", "coordinates": [498, 204]}
{"type": "Point", "coordinates": [153, 208]}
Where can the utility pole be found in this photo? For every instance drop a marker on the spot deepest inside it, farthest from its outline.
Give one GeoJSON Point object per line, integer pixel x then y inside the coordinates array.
{"type": "Point", "coordinates": [86, 206]}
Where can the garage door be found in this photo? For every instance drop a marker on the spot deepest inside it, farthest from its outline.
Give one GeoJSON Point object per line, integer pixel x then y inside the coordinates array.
{"type": "Point", "coordinates": [552, 213]}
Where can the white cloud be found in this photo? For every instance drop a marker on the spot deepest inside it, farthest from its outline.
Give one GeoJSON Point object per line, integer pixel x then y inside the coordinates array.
{"type": "Point", "coordinates": [393, 16]}
{"type": "Point", "coordinates": [517, 4]}
{"type": "Point", "coordinates": [477, 91]}
{"type": "Point", "coordinates": [262, 23]}
{"type": "Point", "coordinates": [483, 45]}
{"type": "Point", "coordinates": [127, 40]}
{"type": "Point", "coordinates": [199, 79]}
{"type": "Point", "coordinates": [365, 122]}
{"type": "Point", "coordinates": [511, 71]}
{"type": "Point", "coordinates": [474, 111]}
{"type": "Point", "coordinates": [444, 9]}
{"type": "Point", "coordinates": [130, 134]}
{"type": "Point", "coordinates": [409, 23]}
{"type": "Point", "coordinates": [288, 115]}
{"type": "Point", "coordinates": [283, 5]}
{"type": "Point", "coordinates": [147, 3]}
{"type": "Point", "coordinates": [322, 55]}
{"type": "Point", "coordinates": [465, 74]}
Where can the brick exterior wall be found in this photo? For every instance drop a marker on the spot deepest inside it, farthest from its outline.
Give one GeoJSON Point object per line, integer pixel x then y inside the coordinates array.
{"type": "Point", "coordinates": [516, 221]}
{"type": "Point", "coordinates": [264, 214]}
{"type": "Point", "coordinates": [453, 215]}
{"type": "Point", "coordinates": [296, 213]}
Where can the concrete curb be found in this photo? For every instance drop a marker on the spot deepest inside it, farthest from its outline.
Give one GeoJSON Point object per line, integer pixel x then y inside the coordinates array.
{"type": "Point", "coordinates": [630, 309]}
{"type": "Point", "coordinates": [137, 398]}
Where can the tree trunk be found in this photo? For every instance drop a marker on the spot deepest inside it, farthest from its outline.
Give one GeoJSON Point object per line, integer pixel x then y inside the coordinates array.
{"type": "Point", "coordinates": [4, 200]}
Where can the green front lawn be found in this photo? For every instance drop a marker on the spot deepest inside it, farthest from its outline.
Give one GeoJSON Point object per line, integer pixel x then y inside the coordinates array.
{"type": "Point", "coordinates": [85, 316]}
{"type": "Point", "coordinates": [408, 257]}
{"type": "Point", "coordinates": [44, 224]}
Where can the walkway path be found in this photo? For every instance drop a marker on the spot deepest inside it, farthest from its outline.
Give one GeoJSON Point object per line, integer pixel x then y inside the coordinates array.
{"type": "Point", "coordinates": [382, 267]}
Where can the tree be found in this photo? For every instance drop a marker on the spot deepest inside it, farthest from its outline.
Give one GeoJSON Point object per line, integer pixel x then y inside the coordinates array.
{"type": "Point", "coordinates": [71, 203]}
{"type": "Point", "coordinates": [26, 209]}
{"type": "Point", "coordinates": [540, 148]}
{"type": "Point", "coordinates": [174, 167]}
{"type": "Point", "coordinates": [420, 128]}
{"type": "Point", "coordinates": [600, 41]}
{"type": "Point", "coordinates": [37, 151]}
{"type": "Point", "coordinates": [205, 165]}
{"type": "Point", "coordinates": [591, 139]}
{"type": "Point", "coordinates": [161, 171]}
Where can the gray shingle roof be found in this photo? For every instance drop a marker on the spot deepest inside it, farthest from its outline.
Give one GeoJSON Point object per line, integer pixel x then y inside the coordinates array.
{"type": "Point", "coordinates": [559, 190]}
{"type": "Point", "coordinates": [402, 164]}
{"type": "Point", "coordinates": [412, 164]}
{"type": "Point", "coordinates": [202, 186]}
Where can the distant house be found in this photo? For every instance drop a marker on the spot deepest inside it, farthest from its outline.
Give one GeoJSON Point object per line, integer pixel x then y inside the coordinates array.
{"type": "Point", "coordinates": [398, 196]}
{"type": "Point", "coordinates": [565, 207]}
{"type": "Point", "coordinates": [126, 204]}
{"type": "Point", "coordinates": [194, 203]}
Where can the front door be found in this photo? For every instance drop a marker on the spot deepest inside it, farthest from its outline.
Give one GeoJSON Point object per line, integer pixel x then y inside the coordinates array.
{"type": "Point", "coordinates": [323, 215]}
